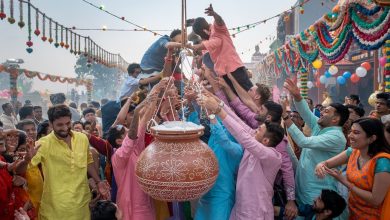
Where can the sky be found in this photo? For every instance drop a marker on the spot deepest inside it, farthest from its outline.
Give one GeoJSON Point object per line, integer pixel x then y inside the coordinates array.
{"type": "Point", "coordinates": [153, 14]}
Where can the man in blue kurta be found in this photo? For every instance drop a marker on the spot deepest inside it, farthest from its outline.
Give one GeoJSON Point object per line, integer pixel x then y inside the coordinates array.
{"type": "Point", "coordinates": [327, 141]}
{"type": "Point", "coordinates": [219, 201]}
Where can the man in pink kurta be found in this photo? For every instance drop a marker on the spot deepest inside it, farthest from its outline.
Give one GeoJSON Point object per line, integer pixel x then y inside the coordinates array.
{"type": "Point", "coordinates": [216, 39]}
{"type": "Point", "coordinates": [131, 200]}
{"type": "Point", "coordinates": [258, 168]}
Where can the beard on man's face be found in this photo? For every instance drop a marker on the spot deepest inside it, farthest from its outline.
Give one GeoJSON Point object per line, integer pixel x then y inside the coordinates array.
{"type": "Point", "coordinates": [62, 133]}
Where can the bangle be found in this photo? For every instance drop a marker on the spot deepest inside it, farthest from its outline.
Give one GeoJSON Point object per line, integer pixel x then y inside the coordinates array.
{"type": "Point", "coordinates": [167, 59]}
{"type": "Point", "coordinates": [286, 117]}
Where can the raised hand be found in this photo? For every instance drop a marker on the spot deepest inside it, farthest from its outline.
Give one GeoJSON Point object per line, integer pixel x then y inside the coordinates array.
{"type": "Point", "coordinates": [32, 149]}
{"type": "Point", "coordinates": [210, 11]}
{"type": "Point", "coordinates": [293, 89]}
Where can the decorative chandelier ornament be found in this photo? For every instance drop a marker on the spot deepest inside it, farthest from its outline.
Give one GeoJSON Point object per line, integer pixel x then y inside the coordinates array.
{"type": "Point", "coordinates": [177, 166]}
{"type": "Point", "coordinates": [44, 38]}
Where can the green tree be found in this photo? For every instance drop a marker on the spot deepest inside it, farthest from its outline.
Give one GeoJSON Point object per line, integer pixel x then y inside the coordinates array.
{"type": "Point", "coordinates": [106, 79]}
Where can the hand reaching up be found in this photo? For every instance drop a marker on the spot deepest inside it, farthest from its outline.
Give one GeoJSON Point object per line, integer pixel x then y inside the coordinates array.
{"type": "Point", "coordinates": [210, 11]}
{"type": "Point", "coordinates": [293, 89]}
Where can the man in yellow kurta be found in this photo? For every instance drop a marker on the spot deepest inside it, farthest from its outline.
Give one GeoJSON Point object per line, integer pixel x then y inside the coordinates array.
{"type": "Point", "coordinates": [65, 160]}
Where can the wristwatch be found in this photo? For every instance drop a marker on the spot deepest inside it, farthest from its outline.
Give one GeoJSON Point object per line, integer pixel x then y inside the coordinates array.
{"type": "Point", "coordinates": [211, 116]}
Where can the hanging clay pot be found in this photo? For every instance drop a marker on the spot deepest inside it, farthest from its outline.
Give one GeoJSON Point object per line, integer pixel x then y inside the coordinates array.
{"type": "Point", "coordinates": [177, 166]}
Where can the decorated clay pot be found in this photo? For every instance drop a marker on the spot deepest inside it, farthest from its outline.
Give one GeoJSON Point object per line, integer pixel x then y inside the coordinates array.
{"type": "Point", "coordinates": [177, 166]}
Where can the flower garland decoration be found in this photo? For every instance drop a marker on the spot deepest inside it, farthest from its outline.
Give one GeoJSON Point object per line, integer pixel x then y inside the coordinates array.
{"type": "Point", "coordinates": [21, 22]}
{"type": "Point", "coordinates": [62, 44]}
{"type": "Point", "coordinates": [53, 78]}
{"type": "Point", "coordinates": [37, 32]}
{"type": "Point", "coordinates": [303, 51]}
{"type": "Point", "coordinates": [386, 71]}
{"type": "Point", "coordinates": [2, 13]}
{"type": "Point", "coordinates": [304, 75]}
{"type": "Point", "coordinates": [50, 31]}
{"type": "Point", "coordinates": [56, 44]}
{"type": "Point", "coordinates": [29, 42]}
{"type": "Point", "coordinates": [11, 18]}
{"type": "Point", "coordinates": [44, 38]}
{"type": "Point", "coordinates": [70, 40]}
{"type": "Point", "coordinates": [371, 36]}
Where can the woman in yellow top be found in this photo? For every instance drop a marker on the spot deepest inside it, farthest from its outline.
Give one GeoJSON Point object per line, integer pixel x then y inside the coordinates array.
{"type": "Point", "coordinates": [368, 170]}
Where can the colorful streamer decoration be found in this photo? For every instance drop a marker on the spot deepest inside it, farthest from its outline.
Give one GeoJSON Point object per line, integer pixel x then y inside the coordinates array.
{"type": "Point", "coordinates": [331, 36]}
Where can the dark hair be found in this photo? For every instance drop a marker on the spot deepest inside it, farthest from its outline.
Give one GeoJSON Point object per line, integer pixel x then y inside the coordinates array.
{"type": "Point", "coordinates": [333, 202]}
{"type": "Point", "coordinates": [132, 67]}
{"type": "Point", "coordinates": [103, 210]}
{"type": "Point", "coordinates": [89, 110]}
{"type": "Point", "coordinates": [4, 106]}
{"type": "Point", "coordinates": [275, 110]}
{"type": "Point", "coordinates": [22, 139]}
{"type": "Point", "coordinates": [58, 111]}
{"type": "Point", "coordinates": [342, 111]}
{"type": "Point", "coordinates": [199, 24]}
{"type": "Point", "coordinates": [20, 125]}
{"type": "Point", "coordinates": [83, 104]}
{"type": "Point", "coordinates": [264, 92]}
{"type": "Point", "coordinates": [26, 111]}
{"type": "Point", "coordinates": [383, 95]}
{"type": "Point", "coordinates": [357, 109]}
{"type": "Point", "coordinates": [77, 122]}
{"type": "Point", "coordinates": [355, 98]}
{"type": "Point", "coordinates": [174, 33]}
{"type": "Point", "coordinates": [1, 124]}
{"type": "Point", "coordinates": [42, 129]}
{"type": "Point", "coordinates": [372, 127]}
{"type": "Point", "coordinates": [73, 105]}
{"type": "Point", "coordinates": [57, 98]}
{"type": "Point", "coordinates": [95, 104]}
{"type": "Point", "coordinates": [114, 133]}
{"type": "Point", "coordinates": [37, 107]}
{"type": "Point", "coordinates": [275, 133]}
{"type": "Point", "coordinates": [86, 123]}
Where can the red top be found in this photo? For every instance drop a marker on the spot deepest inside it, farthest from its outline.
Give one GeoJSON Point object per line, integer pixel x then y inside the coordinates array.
{"type": "Point", "coordinates": [6, 198]}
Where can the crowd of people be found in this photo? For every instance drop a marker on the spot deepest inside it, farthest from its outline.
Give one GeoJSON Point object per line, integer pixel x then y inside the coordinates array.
{"type": "Point", "coordinates": [277, 160]}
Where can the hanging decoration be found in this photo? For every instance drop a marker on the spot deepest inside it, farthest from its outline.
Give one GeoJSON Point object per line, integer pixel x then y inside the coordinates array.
{"type": "Point", "coordinates": [29, 42]}
{"type": "Point", "coordinates": [330, 38]}
{"type": "Point", "coordinates": [386, 71]}
{"type": "Point", "coordinates": [56, 44]}
{"type": "Point", "coordinates": [2, 13]}
{"type": "Point", "coordinates": [37, 32]}
{"type": "Point", "coordinates": [303, 79]}
{"type": "Point", "coordinates": [53, 78]}
{"type": "Point", "coordinates": [11, 18]}
{"type": "Point", "coordinates": [21, 22]}
{"type": "Point", "coordinates": [67, 39]}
